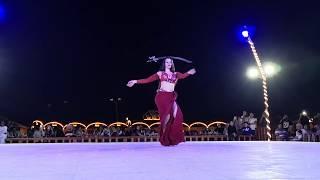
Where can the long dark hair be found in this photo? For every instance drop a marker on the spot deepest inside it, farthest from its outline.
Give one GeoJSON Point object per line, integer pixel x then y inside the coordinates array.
{"type": "Point", "coordinates": [163, 65]}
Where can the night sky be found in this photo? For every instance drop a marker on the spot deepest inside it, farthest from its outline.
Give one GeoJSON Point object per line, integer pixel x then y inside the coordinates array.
{"type": "Point", "coordinates": [85, 51]}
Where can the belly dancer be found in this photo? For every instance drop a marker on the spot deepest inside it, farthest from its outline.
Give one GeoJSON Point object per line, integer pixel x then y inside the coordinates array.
{"type": "Point", "coordinates": [171, 117]}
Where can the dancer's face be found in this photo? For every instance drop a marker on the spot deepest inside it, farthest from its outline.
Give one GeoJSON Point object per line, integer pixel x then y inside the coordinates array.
{"type": "Point", "coordinates": [168, 63]}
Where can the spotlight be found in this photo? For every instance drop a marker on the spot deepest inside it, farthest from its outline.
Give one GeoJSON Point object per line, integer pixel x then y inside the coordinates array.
{"type": "Point", "coordinates": [252, 73]}
{"type": "Point", "coordinates": [270, 70]}
{"type": "Point", "coordinates": [304, 113]}
{"type": "Point", "coordinates": [245, 33]}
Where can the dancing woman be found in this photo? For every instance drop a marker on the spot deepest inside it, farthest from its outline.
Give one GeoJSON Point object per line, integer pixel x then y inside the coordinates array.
{"type": "Point", "coordinates": [171, 117]}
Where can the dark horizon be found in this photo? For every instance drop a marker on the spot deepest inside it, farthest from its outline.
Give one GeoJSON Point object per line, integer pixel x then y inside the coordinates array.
{"type": "Point", "coordinates": [85, 52]}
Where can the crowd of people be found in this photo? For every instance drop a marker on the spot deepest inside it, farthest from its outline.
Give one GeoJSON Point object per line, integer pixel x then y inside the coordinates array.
{"type": "Point", "coordinates": [296, 130]}
{"type": "Point", "coordinates": [242, 125]}
{"type": "Point", "coordinates": [9, 129]}
{"type": "Point", "coordinates": [78, 131]}
{"type": "Point", "coordinates": [245, 124]}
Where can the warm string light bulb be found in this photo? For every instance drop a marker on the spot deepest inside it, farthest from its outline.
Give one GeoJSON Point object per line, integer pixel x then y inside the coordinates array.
{"type": "Point", "coordinates": [264, 83]}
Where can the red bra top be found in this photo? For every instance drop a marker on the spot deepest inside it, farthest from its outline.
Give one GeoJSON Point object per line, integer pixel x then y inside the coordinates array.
{"type": "Point", "coordinates": [165, 77]}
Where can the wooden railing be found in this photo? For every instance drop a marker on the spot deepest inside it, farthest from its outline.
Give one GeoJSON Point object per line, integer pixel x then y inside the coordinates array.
{"type": "Point", "coordinates": [305, 138]}
{"type": "Point", "coordinates": [102, 139]}
{"type": "Point", "coordinates": [311, 138]}
{"type": "Point", "coordinates": [261, 133]}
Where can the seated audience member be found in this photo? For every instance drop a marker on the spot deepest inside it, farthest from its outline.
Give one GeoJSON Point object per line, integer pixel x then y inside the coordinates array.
{"type": "Point", "coordinates": [246, 130]}
{"type": "Point", "coordinates": [281, 134]}
{"type": "Point", "coordinates": [298, 136]}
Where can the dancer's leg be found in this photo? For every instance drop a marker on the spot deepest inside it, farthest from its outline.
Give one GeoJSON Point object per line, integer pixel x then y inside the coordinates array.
{"type": "Point", "coordinates": [175, 109]}
{"type": "Point", "coordinates": [167, 118]}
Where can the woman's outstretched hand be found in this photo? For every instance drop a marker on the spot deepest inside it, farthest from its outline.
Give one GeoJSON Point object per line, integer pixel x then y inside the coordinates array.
{"type": "Point", "coordinates": [131, 83]}
{"type": "Point", "coordinates": [192, 71]}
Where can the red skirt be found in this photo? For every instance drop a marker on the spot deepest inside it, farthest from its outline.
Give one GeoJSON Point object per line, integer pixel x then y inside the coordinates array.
{"type": "Point", "coordinates": [171, 132]}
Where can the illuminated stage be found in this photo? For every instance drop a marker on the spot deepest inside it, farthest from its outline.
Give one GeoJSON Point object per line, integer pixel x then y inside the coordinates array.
{"type": "Point", "coordinates": [150, 161]}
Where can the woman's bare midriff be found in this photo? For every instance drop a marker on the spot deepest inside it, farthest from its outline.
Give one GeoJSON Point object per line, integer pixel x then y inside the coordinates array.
{"type": "Point", "coordinates": [166, 86]}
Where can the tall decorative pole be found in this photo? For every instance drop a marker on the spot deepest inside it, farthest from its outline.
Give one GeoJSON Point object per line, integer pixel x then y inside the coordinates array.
{"type": "Point", "coordinates": [245, 34]}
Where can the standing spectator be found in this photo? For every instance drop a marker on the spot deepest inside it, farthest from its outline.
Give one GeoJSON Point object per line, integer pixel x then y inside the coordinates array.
{"type": "Point", "coordinates": [237, 123]}
{"type": "Point", "coordinates": [232, 132]}
{"type": "Point", "coordinates": [285, 122]}
{"type": "Point", "coordinates": [303, 119]}
{"type": "Point", "coordinates": [316, 119]}
{"type": "Point", "coordinates": [10, 128]}
{"type": "Point", "coordinates": [3, 132]}
{"type": "Point", "coordinates": [244, 117]}
{"type": "Point", "coordinates": [252, 123]}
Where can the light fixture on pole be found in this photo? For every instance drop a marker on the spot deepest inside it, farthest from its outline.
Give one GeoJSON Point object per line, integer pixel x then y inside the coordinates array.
{"type": "Point", "coordinates": [116, 102]}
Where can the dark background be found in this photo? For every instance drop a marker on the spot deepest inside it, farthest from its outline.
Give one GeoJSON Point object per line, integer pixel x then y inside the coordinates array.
{"type": "Point", "coordinates": [84, 52]}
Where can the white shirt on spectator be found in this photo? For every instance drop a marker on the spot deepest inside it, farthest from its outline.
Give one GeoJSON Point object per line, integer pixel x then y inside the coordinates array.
{"type": "Point", "coordinates": [253, 123]}
{"type": "Point", "coordinates": [244, 119]}
{"type": "Point", "coordinates": [298, 136]}
{"type": "Point", "coordinates": [3, 134]}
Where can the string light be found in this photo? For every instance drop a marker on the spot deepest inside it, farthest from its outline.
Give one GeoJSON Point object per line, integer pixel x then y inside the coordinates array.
{"type": "Point", "coordinates": [264, 83]}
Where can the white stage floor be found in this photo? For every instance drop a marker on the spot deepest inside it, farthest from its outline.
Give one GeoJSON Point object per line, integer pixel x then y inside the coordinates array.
{"type": "Point", "coordinates": [151, 161]}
